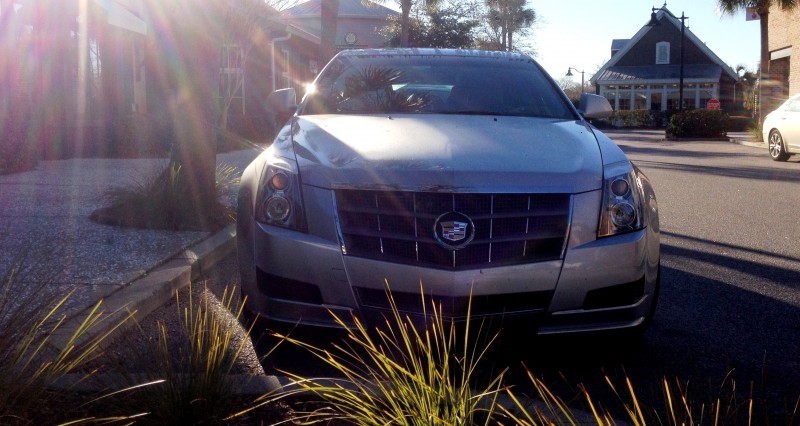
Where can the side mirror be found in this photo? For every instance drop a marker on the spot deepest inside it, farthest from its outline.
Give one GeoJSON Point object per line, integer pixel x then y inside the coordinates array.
{"type": "Point", "coordinates": [595, 106]}
{"type": "Point", "coordinates": [282, 101]}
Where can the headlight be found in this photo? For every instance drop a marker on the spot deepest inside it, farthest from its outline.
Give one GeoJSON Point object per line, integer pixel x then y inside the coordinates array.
{"type": "Point", "coordinates": [280, 200]}
{"type": "Point", "coordinates": [623, 207]}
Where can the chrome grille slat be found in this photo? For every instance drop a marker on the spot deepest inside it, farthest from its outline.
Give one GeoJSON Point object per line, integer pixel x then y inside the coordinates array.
{"type": "Point", "coordinates": [397, 226]}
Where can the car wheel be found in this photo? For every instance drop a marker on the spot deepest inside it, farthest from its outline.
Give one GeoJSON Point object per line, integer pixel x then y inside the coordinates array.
{"type": "Point", "coordinates": [777, 149]}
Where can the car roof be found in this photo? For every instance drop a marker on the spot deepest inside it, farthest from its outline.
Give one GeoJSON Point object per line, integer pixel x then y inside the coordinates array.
{"type": "Point", "coordinates": [463, 53]}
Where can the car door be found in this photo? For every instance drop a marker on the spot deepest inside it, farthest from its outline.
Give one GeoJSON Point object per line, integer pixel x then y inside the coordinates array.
{"type": "Point", "coordinates": [790, 125]}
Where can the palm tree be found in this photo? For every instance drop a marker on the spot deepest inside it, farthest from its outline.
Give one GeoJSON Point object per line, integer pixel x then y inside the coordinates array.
{"type": "Point", "coordinates": [509, 16]}
{"type": "Point", "coordinates": [329, 15]}
{"type": "Point", "coordinates": [762, 7]}
{"type": "Point", "coordinates": [405, 13]}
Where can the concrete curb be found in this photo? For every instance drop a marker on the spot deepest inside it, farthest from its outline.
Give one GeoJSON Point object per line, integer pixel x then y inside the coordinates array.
{"type": "Point", "coordinates": [754, 144]}
{"type": "Point", "coordinates": [142, 296]}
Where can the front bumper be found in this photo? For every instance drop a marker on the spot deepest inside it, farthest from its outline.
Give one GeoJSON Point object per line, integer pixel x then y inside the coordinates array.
{"type": "Point", "coordinates": [298, 278]}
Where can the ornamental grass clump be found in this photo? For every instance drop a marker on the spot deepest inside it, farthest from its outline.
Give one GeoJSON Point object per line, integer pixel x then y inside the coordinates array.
{"type": "Point", "coordinates": [188, 378]}
{"type": "Point", "coordinates": [162, 201]}
{"type": "Point", "coordinates": [41, 347]}
{"type": "Point", "coordinates": [676, 408]}
{"type": "Point", "coordinates": [402, 373]}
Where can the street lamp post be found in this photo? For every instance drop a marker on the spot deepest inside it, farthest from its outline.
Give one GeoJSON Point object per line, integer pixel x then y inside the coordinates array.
{"type": "Point", "coordinates": [683, 19]}
{"type": "Point", "coordinates": [569, 74]}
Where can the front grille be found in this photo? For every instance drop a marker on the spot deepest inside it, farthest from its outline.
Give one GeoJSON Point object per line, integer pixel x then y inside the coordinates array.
{"type": "Point", "coordinates": [397, 226]}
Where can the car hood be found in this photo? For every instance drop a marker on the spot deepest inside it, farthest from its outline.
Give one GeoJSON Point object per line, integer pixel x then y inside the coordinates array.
{"type": "Point", "coordinates": [447, 153]}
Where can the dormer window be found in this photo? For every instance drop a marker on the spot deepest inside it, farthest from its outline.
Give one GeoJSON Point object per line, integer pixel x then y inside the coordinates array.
{"type": "Point", "coordinates": [662, 53]}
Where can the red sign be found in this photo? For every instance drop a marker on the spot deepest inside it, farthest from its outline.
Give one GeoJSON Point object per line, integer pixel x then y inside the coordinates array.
{"type": "Point", "coordinates": [713, 103]}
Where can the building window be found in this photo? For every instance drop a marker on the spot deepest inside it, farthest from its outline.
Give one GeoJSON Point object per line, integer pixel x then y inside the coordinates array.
{"type": "Point", "coordinates": [231, 74]}
{"type": "Point", "coordinates": [662, 53]}
{"type": "Point", "coordinates": [640, 100]}
{"type": "Point", "coordinates": [624, 101]}
{"type": "Point", "coordinates": [286, 74]}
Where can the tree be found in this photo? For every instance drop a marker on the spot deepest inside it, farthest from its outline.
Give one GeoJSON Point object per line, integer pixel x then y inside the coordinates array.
{"type": "Point", "coordinates": [450, 25]}
{"type": "Point", "coordinates": [745, 89]}
{"type": "Point", "coordinates": [329, 16]}
{"type": "Point", "coordinates": [762, 7]}
{"type": "Point", "coordinates": [573, 89]}
{"type": "Point", "coordinates": [245, 23]}
{"type": "Point", "coordinates": [405, 16]}
{"type": "Point", "coordinates": [508, 17]}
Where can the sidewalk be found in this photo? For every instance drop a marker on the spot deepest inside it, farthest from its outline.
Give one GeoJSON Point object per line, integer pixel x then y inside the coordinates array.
{"type": "Point", "coordinates": [746, 138]}
{"type": "Point", "coordinates": [45, 229]}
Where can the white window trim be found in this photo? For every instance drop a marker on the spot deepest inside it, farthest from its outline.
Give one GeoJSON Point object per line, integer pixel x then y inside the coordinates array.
{"type": "Point", "coordinates": [662, 59]}
{"type": "Point", "coordinates": [665, 91]}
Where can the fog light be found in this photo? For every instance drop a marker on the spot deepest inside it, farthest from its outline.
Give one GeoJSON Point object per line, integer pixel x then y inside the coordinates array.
{"type": "Point", "coordinates": [277, 208]}
{"type": "Point", "coordinates": [623, 215]}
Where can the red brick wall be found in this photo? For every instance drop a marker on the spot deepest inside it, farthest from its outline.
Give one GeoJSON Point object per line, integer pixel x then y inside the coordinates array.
{"type": "Point", "coordinates": [783, 33]}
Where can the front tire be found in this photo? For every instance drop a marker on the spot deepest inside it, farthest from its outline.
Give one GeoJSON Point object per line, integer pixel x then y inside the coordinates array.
{"type": "Point", "coordinates": [777, 149]}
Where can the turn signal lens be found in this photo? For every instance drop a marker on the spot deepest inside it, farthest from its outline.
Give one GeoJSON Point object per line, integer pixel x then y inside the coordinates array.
{"type": "Point", "coordinates": [279, 181]}
{"type": "Point", "coordinates": [620, 187]}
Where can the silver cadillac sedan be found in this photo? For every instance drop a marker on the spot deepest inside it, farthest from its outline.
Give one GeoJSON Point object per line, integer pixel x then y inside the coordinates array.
{"type": "Point", "coordinates": [466, 178]}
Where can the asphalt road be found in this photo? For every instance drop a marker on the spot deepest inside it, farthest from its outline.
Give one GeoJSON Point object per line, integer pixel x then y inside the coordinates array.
{"type": "Point", "coordinates": [730, 302]}
{"type": "Point", "coordinates": [728, 319]}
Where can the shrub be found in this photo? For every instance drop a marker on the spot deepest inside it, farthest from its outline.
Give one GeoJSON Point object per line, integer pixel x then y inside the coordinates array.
{"type": "Point", "coordinates": [756, 132]}
{"type": "Point", "coordinates": [740, 123]}
{"type": "Point", "coordinates": [404, 374]}
{"type": "Point", "coordinates": [638, 118]}
{"type": "Point", "coordinates": [698, 123]}
{"type": "Point", "coordinates": [162, 202]}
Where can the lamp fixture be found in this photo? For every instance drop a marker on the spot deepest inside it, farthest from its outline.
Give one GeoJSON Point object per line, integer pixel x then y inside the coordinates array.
{"type": "Point", "coordinates": [569, 74]}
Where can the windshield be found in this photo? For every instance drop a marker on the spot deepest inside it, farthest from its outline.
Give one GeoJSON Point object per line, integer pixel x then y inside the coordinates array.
{"type": "Point", "coordinates": [429, 84]}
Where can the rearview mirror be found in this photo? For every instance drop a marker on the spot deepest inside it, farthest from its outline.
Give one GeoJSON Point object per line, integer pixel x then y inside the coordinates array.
{"type": "Point", "coordinates": [282, 101]}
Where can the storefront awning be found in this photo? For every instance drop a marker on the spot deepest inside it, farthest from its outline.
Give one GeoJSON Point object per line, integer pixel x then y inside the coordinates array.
{"type": "Point", "coordinates": [659, 73]}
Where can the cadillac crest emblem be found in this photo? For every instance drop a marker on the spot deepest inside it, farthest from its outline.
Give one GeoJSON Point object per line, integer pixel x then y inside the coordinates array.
{"type": "Point", "coordinates": [453, 230]}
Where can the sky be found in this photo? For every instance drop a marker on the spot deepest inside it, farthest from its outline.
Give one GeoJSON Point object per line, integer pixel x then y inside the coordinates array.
{"type": "Point", "coordinates": [578, 33]}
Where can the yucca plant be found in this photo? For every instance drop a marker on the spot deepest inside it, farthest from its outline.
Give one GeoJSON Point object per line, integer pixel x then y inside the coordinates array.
{"type": "Point", "coordinates": [401, 373]}
{"type": "Point", "coordinates": [38, 351]}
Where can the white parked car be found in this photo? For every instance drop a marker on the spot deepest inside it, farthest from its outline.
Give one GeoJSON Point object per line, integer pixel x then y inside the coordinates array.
{"type": "Point", "coordinates": [452, 172]}
{"type": "Point", "coordinates": [781, 130]}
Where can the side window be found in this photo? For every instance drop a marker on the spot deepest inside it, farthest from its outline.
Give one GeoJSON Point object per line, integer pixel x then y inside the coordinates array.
{"type": "Point", "coordinates": [662, 53]}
